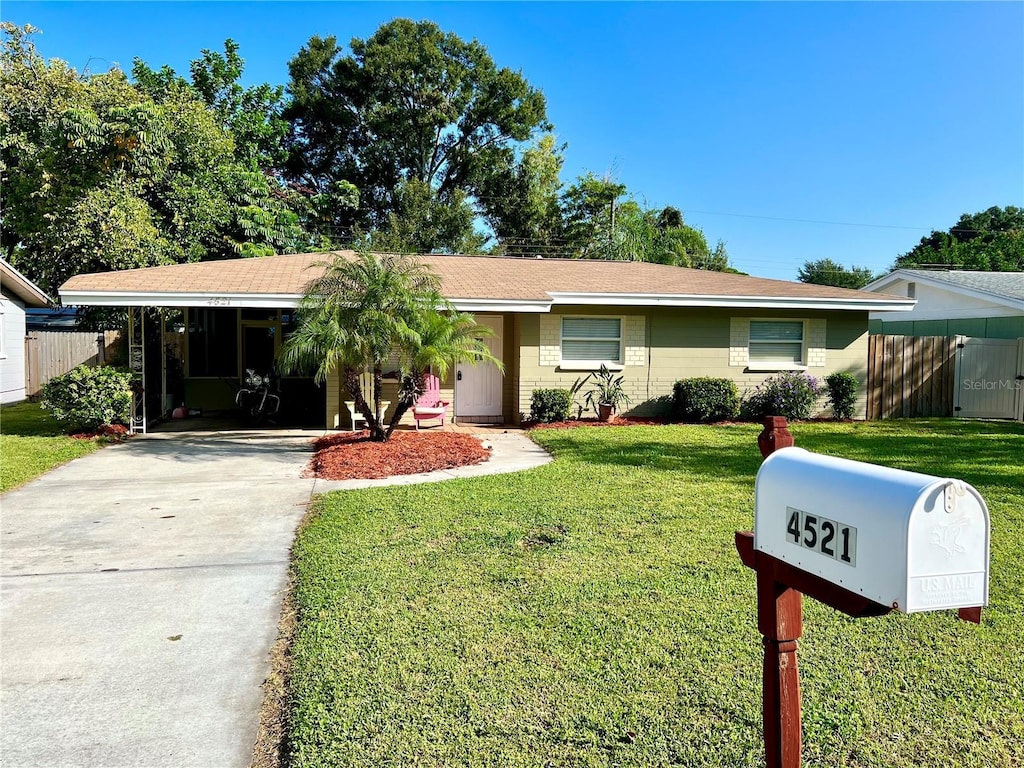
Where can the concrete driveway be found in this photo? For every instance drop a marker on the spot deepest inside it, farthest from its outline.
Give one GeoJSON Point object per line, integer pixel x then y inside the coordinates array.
{"type": "Point", "coordinates": [141, 588]}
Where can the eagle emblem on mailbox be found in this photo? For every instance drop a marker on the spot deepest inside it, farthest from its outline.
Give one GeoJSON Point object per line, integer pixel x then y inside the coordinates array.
{"type": "Point", "coordinates": [947, 536]}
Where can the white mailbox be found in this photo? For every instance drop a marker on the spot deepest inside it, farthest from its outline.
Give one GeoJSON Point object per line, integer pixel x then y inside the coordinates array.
{"type": "Point", "coordinates": [909, 541]}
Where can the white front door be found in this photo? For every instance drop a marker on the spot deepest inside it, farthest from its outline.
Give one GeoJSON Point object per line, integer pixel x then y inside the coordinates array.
{"type": "Point", "coordinates": [478, 386]}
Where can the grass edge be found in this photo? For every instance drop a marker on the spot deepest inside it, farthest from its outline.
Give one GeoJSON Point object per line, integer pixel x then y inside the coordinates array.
{"type": "Point", "coordinates": [270, 748]}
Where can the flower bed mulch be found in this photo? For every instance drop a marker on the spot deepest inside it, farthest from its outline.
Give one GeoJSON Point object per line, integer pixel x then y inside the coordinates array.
{"type": "Point", "coordinates": [353, 455]}
{"type": "Point", "coordinates": [620, 421]}
{"type": "Point", "coordinates": [109, 432]}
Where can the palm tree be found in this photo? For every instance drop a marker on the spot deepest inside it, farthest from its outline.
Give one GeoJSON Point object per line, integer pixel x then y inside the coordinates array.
{"type": "Point", "coordinates": [362, 313]}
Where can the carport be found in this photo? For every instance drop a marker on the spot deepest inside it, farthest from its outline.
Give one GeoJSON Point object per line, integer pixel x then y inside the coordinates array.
{"type": "Point", "coordinates": [194, 329]}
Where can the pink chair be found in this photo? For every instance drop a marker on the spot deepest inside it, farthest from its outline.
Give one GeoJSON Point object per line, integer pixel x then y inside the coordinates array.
{"type": "Point", "coordinates": [430, 405]}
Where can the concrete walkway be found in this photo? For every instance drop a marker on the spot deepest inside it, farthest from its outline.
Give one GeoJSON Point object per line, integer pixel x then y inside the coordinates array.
{"type": "Point", "coordinates": [141, 590]}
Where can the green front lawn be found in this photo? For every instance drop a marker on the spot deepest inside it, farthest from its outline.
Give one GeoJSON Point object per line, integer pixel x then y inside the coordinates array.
{"type": "Point", "coordinates": [594, 612]}
{"type": "Point", "coordinates": [31, 443]}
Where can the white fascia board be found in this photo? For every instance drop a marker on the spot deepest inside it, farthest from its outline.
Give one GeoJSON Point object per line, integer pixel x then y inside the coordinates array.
{"type": "Point", "coordinates": [482, 306]}
{"type": "Point", "coordinates": [886, 280]}
{"type": "Point", "coordinates": [195, 299]}
{"type": "Point", "coordinates": [953, 314]}
{"type": "Point", "coordinates": [30, 293]}
{"type": "Point", "coordinates": [258, 301]}
{"type": "Point", "coordinates": [734, 302]}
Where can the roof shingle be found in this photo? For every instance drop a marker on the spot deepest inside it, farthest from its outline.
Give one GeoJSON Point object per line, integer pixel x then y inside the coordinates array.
{"type": "Point", "coordinates": [1009, 285]}
{"type": "Point", "coordinates": [462, 277]}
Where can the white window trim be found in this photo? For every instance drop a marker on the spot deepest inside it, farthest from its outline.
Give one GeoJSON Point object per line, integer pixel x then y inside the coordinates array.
{"type": "Point", "coordinates": [767, 366]}
{"type": "Point", "coordinates": [592, 365]}
{"type": "Point", "coordinates": [3, 330]}
{"type": "Point", "coordinates": [588, 365]}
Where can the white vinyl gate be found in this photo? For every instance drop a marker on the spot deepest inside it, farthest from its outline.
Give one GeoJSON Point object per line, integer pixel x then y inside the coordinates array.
{"type": "Point", "coordinates": [989, 378]}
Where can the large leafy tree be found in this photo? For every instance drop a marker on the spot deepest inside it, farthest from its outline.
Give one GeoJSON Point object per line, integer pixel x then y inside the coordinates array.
{"type": "Point", "coordinates": [991, 241]}
{"type": "Point", "coordinates": [520, 200]}
{"type": "Point", "coordinates": [366, 313]}
{"type": "Point", "coordinates": [411, 107]}
{"type": "Point", "coordinates": [588, 210]}
{"type": "Point", "coordinates": [421, 223]}
{"type": "Point", "coordinates": [98, 175]}
{"type": "Point", "coordinates": [829, 272]}
{"type": "Point", "coordinates": [601, 221]}
{"type": "Point", "coordinates": [251, 115]}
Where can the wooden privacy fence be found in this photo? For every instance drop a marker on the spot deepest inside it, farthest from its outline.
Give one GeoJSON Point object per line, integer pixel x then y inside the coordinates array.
{"type": "Point", "coordinates": [911, 376]}
{"type": "Point", "coordinates": [52, 353]}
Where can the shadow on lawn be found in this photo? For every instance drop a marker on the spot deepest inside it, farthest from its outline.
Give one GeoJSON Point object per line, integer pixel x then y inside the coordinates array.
{"type": "Point", "coordinates": [722, 462]}
{"type": "Point", "coordinates": [225, 445]}
{"type": "Point", "coordinates": [986, 455]}
{"type": "Point", "coordinates": [989, 455]}
{"type": "Point", "coordinates": [27, 419]}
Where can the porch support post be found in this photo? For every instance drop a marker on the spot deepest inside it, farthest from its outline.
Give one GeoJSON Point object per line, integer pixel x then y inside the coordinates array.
{"type": "Point", "coordinates": [137, 366]}
{"type": "Point", "coordinates": [163, 362]}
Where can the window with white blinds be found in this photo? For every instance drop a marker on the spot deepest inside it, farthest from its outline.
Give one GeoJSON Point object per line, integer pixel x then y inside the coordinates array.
{"type": "Point", "coordinates": [777, 341]}
{"type": "Point", "coordinates": [592, 339]}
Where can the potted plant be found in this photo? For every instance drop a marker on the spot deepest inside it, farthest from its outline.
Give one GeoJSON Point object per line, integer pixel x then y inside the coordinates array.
{"type": "Point", "coordinates": [606, 395]}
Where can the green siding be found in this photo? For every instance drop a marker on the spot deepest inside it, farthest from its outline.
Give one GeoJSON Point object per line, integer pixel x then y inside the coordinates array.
{"type": "Point", "coordinates": [899, 328]}
{"type": "Point", "coordinates": [683, 343]}
{"type": "Point", "coordinates": [843, 330]}
{"type": "Point", "coordinates": [971, 326]}
{"type": "Point", "coordinates": [931, 328]}
{"type": "Point", "coordinates": [1005, 327]}
{"type": "Point", "coordinates": [978, 327]}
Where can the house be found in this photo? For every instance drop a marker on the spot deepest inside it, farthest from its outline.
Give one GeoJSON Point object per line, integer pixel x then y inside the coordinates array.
{"type": "Point", "coordinates": [553, 321]}
{"type": "Point", "coordinates": [985, 305]}
{"type": "Point", "coordinates": [17, 293]}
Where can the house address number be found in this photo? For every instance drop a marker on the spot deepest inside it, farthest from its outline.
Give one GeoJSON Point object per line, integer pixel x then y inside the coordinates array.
{"type": "Point", "coordinates": [218, 301]}
{"type": "Point", "coordinates": [822, 535]}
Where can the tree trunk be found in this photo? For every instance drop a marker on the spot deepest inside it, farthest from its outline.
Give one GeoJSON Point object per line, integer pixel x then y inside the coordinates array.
{"type": "Point", "coordinates": [409, 392]}
{"type": "Point", "coordinates": [377, 432]}
{"type": "Point", "coordinates": [355, 389]}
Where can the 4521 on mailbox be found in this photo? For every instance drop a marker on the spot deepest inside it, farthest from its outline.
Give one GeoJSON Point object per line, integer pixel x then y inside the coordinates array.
{"type": "Point", "coordinates": [827, 537]}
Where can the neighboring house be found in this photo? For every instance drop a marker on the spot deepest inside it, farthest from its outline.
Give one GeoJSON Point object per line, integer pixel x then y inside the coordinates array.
{"type": "Point", "coordinates": [985, 305]}
{"type": "Point", "coordinates": [18, 292]}
{"type": "Point", "coordinates": [554, 320]}
{"type": "Point", "coordinates": [985, 310]}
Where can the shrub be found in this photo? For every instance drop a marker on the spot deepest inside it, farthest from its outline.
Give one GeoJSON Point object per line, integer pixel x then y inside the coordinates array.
{"type": "Point", "coordinates": [842, 394]}
{"type": "Point", "coordinates": [786, 394]}
{"type": "Point", "coordinates": [85, 398]}
{"type": "Point", "coordinates": [705, 399]}
{"type": "Point", "coordinates": [549, 405]}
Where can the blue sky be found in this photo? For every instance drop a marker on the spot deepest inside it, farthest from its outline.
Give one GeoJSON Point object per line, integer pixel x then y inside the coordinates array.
{"type": "Point", "coordinates": [759, 121]}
